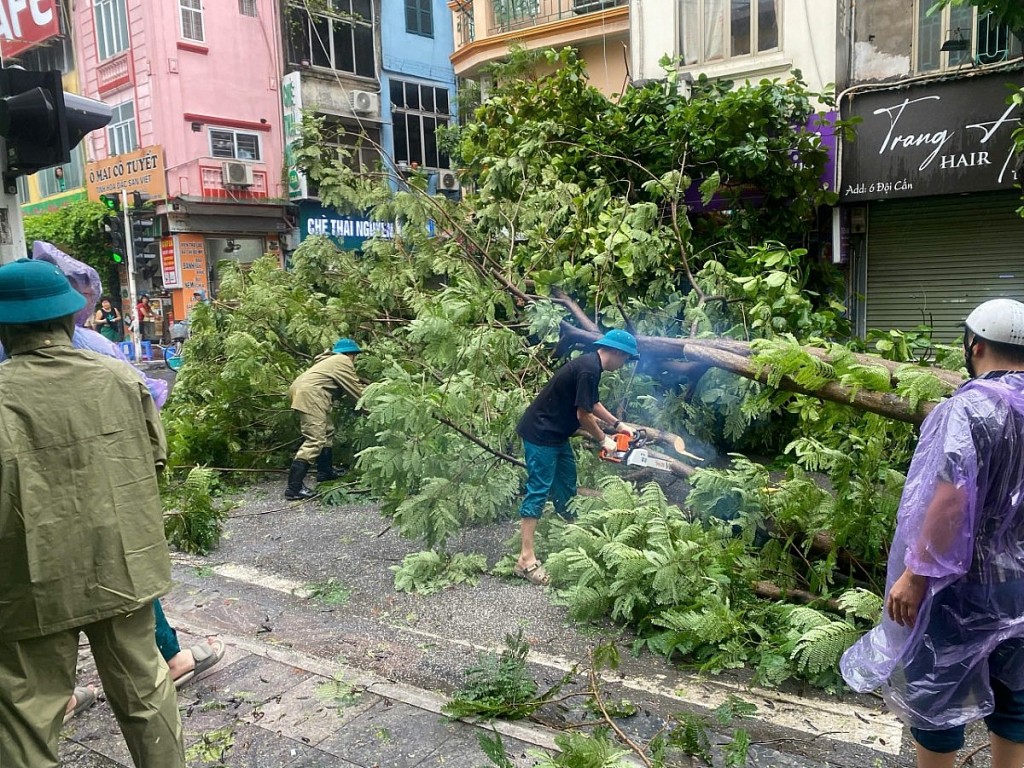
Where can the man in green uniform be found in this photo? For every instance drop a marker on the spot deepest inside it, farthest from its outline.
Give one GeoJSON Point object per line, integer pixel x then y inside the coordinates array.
{"type": "Point", "coordinates": [82, 544]}
{"type": "Point", "coordinates": [312, 395]}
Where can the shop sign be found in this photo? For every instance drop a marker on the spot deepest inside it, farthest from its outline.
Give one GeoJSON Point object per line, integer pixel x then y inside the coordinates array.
{"type": "Point", "coordinates": [933, 139]}
{"type": "Point", "coordinates": [291, 104]}
{"type": "Point", "coordinates": [138, 171]}
{"type": "Point", "coordinates": [25, 23]}
{"type": "Point", "coordinates": [169, 263]}
{"type": "Point", "coordinates": [347, 232]}
{"type": "Point", "coordinates": [192, 262]}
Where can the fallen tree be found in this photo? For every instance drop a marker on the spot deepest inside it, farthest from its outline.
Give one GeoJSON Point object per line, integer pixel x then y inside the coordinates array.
{"type": "Point", "coordinates": [584, 218]}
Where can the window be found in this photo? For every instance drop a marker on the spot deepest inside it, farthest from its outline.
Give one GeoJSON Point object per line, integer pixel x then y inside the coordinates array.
{"type": "Point", "coordinates": [70, 177]}
{"type": "Point", "coordinates": [465, 27]}
{"type": "Point", "coordinates": [714, 30]}
{"type": "Point", "coordinates": [121, 136]}
{"type": "Point", "coordinates": [23, 196]}
{"type": "Point", "coordinates": [111, 27]}
{"type": "Point", "coordinates": [418, 111]}
{"type": "Point", "coordinates": [341, 40]}
{"type": "Point", "coordinates": [234, 145]}
{"type": "Point", "coordinates": [979, 38]}
{"type": "Point", "coordinates": [192, 20]}
{"type": "Point", "coordinates": [248, 8]}
{"type": "Point", "coordinates": [362, 143]}
{"type": "Point", "coordinates": [54, 54]}
{"type": "Point", "coordinates": [419, 17]}
{"type": "Point", "coordinates": [510, 14]}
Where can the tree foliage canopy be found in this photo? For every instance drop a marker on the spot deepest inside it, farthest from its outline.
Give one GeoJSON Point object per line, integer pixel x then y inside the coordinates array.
{"type": "Point", "coordinates": [674, 217]}
{"type": "Point", "coordinates": [77, 229]}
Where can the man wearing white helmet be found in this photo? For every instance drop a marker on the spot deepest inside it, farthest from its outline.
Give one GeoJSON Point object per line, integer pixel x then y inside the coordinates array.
{"type": "Point", "coordinates": [950, 648]}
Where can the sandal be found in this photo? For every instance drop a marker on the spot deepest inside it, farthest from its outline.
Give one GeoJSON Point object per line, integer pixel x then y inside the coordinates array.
{"type": "Point", "coordinates": [535, 574]}
{"type": "Point", "coordinates": [85, 697]}
{"type": "Point", "coordinates": [206, 656]}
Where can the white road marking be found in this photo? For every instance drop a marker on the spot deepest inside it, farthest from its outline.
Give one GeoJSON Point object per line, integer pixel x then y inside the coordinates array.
{"type": "Point", "coordinates": [841, 721]}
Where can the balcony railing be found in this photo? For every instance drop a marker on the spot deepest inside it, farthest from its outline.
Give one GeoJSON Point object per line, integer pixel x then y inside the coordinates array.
{"type": "Point", "coordinates": [510, 15]}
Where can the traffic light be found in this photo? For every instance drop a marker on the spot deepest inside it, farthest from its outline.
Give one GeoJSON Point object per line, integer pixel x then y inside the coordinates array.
{"type": "Point", "coordinates": [114, 227]}
{"type": "Point", "coordinates": [112, 202]}
{"type": "Point", "coordinates": [42, 123]}
{"type": "Point", "coordinates": [143, 220]}
{"type": "Point", "coordinates": [142, 235]}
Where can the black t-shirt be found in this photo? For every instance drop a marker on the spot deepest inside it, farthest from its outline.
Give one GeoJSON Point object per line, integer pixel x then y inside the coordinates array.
{"type": "Point", "coordinates": [551, 417]}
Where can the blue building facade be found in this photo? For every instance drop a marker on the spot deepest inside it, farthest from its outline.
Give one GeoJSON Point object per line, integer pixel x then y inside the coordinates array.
{"type": "Point", "coordinates": [417, 88]}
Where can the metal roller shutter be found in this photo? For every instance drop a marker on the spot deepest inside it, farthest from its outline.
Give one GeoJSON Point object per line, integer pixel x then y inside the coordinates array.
{"type": "Point", "coordinates": [931, 261]}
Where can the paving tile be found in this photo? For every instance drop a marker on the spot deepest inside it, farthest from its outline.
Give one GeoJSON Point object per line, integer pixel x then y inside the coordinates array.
{"type": "Point", "coordinates": [463, 751]}
{"type": "Point", "coordinates": [75, 756]}
{"type": "Point", "coordinates": [390, 735]}
{"type": "Point", "coordinates": [97, 730]}
{"type": "Point", "coordinates": [309, 713]}
{"type": "Point", "coordinates": [253, 747]}
{"type": "Point", "coordinates": [252, 680]}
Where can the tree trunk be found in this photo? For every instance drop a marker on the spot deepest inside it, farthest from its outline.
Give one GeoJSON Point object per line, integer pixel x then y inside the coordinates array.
{"type": "Point", "coordinates": [701, 353]}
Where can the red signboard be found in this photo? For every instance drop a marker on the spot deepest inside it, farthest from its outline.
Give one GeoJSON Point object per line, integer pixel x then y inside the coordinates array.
{"type": "Point", "coordinates": [25, 23]}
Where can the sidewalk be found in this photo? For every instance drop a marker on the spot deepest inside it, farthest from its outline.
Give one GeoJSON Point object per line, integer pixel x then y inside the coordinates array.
{"type": "Point", "coordinates": [271, 708]}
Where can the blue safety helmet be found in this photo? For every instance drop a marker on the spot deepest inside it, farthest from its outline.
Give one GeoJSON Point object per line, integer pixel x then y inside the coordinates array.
{"type": "Point", "coordinates": [345, 346]}
{"type": "Point", "coordinates": [623, 341]}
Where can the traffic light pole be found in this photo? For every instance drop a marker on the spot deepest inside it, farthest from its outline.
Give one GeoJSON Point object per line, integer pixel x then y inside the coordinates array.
{"type": "Point", "coordinates": [12, 230]}
{"type": "Point", "coordinates": [129, 248]}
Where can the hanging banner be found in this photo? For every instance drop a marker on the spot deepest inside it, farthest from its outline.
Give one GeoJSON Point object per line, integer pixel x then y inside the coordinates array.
{"type": "Point", "coordinates": [169, 263]}
{"type": "Point", "coordinates": [291, 104]}
{"type": "Point", "coordinates": [26, 23]}
{"type": "Point", "coordinates": [192, 260]}
{"type": "Point", "coordinates": [938, 138]}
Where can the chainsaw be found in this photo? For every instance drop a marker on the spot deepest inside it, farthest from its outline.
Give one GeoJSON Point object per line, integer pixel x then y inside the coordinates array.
{"type": "Point", "coordinates": [632, 451]}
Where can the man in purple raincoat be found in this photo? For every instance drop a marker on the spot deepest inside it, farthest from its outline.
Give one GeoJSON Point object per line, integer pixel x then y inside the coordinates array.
{"type": "Point", "coordinates": [950, 648]}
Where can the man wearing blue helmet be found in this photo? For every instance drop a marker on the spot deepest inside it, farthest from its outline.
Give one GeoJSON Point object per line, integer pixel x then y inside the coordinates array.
{"type": "Point", "coordinates": [312, 395]}
{"type": "Point", "coordinates": [568, 402]}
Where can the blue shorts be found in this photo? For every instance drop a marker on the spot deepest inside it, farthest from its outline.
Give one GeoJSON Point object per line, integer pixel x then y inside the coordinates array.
{"type": "Point", "coordinates": [1007, 721]}
{"type": "Point", "coordinates": [550, 473]}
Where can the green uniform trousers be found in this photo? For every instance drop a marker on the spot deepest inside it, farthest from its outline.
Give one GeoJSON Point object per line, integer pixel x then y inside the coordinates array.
{"type": "Point", "coordinates": [317, 434]}
{"type": "Point", "coordinates": [37, 677]}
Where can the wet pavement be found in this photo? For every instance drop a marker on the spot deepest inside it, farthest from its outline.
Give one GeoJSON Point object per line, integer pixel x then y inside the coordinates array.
{"type": "Point", "coordinates": [328, 666]}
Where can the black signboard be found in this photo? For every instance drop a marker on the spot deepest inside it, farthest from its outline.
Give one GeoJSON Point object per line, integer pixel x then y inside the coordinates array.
{"type": "Point", "coordinates": [932, 139]}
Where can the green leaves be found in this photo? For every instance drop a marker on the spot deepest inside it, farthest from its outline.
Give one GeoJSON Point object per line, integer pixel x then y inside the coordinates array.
{"type": "Point", "coordinates": [194, 518]}
{"type": "Point", "coordinates": [430, 571]}
{"type": "Point", "coordinates": [498, 687]}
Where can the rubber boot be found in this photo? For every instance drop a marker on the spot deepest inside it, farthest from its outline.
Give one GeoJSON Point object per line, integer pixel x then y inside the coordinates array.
{"type": "Point", "coordinates": [296, 474]}
{"type": "Point", "coordinates": [325, 469]}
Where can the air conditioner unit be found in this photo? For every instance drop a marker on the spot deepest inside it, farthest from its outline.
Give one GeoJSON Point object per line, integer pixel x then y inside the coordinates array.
{"type": "Point", "coordinates": [235, 174]}
{"type": "Point", "coordinates": [365, 102]}
{"type": "Point", "coordinates": [448, 181]}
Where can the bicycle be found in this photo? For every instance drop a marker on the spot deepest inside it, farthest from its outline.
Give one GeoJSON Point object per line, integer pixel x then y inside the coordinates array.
{"type": "Point", "coordinates": [174, 353]}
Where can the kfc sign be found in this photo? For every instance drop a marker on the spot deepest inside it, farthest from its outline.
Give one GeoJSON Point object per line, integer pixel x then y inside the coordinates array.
{"type": "Point", "coordinates": [25, 23]}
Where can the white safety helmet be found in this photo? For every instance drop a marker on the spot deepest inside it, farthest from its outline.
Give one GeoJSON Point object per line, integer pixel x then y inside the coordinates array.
{"type": "Point", "coordinates": [999, 320]}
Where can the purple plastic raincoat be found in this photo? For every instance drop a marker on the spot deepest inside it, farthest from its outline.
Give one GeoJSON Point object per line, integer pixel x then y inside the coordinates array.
{"type": "Point", "coordinates": [86, 281]}
{"type": "Point", "coordinates": [970, 627]}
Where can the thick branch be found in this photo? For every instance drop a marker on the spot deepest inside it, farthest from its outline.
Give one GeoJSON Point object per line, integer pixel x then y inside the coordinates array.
{"type": "Point", "coordinates": [477, 441]}
{"type": "Point", "coordinates": [575, 310]}
{"type": "Point", "coordinates": [697, 351]}
{"type": "Point", "coordinates": [769, 591]}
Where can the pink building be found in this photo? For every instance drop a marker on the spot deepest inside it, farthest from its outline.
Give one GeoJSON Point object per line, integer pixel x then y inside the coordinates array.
{"type": "Point", "coordinates": [195, 90]}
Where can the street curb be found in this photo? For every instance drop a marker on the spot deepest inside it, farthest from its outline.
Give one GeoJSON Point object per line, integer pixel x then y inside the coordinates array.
{"type": "Point", "coordinates": [419, 698]}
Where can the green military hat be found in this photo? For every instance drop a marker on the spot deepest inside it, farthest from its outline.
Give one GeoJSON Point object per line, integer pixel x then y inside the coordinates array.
{"type": "Point", "coordinates": [34, 291]}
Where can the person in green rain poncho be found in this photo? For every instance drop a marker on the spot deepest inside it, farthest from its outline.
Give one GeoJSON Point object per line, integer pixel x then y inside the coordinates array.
{"type": "Point", "coordinates": [81, 530]}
